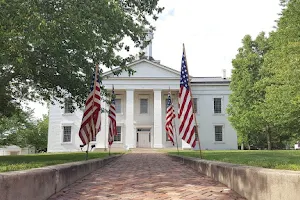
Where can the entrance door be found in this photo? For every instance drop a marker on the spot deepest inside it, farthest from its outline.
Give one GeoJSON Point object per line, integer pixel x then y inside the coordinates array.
{"type": "Point", "coordinates": [143, 139]}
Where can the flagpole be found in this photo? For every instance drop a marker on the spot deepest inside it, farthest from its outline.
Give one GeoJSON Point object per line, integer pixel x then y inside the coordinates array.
{"type": "Point", "coordinates": [87, 151]}
{"type": "Point", "coordinates": [175, 133]}
{"type": "Point", "coordinates": [108, 138]}
{"type": "Point", "coordinates": [105, 113]}
{"type": "Point", "coordinates": [189, 82]}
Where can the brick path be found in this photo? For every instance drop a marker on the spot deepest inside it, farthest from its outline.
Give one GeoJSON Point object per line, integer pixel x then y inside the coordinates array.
{"type": "Point", "coordinates": [145, 176]}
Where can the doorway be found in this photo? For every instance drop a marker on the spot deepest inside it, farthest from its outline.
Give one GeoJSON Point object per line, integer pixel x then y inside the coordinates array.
{"type": "Point", "coordinates": [143, 138]}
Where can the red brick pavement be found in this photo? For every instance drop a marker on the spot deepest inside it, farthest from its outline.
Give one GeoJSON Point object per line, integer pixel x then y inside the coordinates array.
{"type": "Point", "coordinates": [145, 176]}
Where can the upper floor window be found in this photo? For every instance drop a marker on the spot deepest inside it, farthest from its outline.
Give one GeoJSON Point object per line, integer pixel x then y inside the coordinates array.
{"type": "Point", "coordinates": [68, 106]}
{"type": "Point", "coordinates": [195, 105]}
{"type": "Point", "coordinates": [118, 105]}
{"type": "Point", "coordinates": [67, 133]}
{"type": "Point", "coordinates": [143, 106]}
{"type": "Point", "coordinates": [217, 105]}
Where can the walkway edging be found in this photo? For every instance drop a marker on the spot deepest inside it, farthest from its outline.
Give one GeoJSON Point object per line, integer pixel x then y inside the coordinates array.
{"type": "Point", "coordinates": [253, 183]}
{"type": "Point", "coordinates": [41, 183]}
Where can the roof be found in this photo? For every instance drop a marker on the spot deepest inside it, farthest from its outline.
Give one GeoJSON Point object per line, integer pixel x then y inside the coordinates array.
{"type": "Point", "coordinates": [210, 80]}
{"type": "Point", "coordinates": [148, 61]}
{"type": "Point", "coordinates": [194, 80]}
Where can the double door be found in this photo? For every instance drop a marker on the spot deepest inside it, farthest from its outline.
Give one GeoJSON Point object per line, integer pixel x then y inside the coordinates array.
{"type": "Point", "coordinates": [143, 139]}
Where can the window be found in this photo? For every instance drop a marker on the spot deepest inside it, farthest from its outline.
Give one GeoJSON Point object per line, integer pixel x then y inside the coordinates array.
{"type": "Point", "coordinates": [117, 137]}
{"type": "Point", "coordinates": [68, 106]}
{"type": "Point", "coordinates": [118, 106]}
{"type": "Point", "coordinates": [67, 134]}
{"type": "Point", "coordinates": [217, 105]}
{"type": "Point", "coordinates": [143, 106]}
{"type": "Point", "coordinates": [195, 103]}
{"type": "Point", "coordinates": [218, 133]}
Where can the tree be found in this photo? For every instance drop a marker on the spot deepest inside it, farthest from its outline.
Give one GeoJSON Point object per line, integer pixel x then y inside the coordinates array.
{"type": "Point", "coordinates": [49, 48]}
{"type": "Point", "coordinates": [23, 131]}
{"type": "Point", "coordinates": [10, 126]}
{"type": "Point", "coordinates": [37, 137]}
{"type": "Point", "coordinates": [243, 107]}
{"type": "Point", "coordinates": [282, 72]}
{"type": "Point", "coordinates": [265, 100]}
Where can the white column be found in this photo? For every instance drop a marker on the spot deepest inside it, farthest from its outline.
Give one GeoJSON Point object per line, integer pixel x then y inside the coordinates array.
{"type": "Point", "coordinates": [101, 138]}
{"type": "Point", "coordinates": [157, 120]}
{"type": "Point", "coordinates": [129, 135]}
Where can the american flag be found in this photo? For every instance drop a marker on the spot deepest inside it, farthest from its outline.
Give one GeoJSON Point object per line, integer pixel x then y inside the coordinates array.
{"type": "Point", "coordinates": [185, 113]}
{"type": "Point", "coordinates": [112, 119]}
{"type": "Point", "coordinates": [91, 119]}
{"type": "Point", "coordinates": [169, 119]}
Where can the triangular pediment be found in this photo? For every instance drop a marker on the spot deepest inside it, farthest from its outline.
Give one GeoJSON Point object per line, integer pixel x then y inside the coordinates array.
{"type": "Point", "coordinates": [148, 69]}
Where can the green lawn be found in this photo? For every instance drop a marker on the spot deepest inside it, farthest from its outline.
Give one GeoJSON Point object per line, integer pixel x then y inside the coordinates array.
{"type": "Point", "coordinates": [276, 159]}
{"type": "Point", "coordinates": [21, 162]}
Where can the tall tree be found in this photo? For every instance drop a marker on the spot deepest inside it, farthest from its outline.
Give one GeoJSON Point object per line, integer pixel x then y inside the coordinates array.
{"type": "Point", "coordinates": [243, 110]}
{"type": "Point", "coordinates": [50, 47]}
{"type": "Point", "coordinates": [282, 72]}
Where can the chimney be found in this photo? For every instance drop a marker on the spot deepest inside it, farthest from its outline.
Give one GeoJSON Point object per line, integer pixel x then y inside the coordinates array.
{"type": "Point", "coordinates": [224, 74]}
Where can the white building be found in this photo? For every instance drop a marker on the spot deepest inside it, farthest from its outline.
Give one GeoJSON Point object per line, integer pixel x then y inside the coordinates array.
{"type": "Point", "coordinates": [15, 150]}
{"type": "Point", "coordinates": [141, 108]}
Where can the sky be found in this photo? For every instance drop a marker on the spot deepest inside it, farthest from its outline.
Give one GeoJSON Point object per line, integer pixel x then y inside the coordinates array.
{"type": "Point", "coordinates": [212, 32]}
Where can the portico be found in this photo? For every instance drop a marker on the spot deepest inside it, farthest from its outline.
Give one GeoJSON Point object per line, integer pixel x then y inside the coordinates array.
{"type": "Point", "coordinates": [140, 114]}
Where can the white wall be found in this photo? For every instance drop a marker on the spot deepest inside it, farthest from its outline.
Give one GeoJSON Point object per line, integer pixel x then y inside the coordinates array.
{"type": "Point", "coordinates": [206, 117]}
{"type": "Point", "coordinates": [58, 119]}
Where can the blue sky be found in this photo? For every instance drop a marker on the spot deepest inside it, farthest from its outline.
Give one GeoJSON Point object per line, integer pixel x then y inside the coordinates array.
{"type": "Point", "coordinates": [211, 31]}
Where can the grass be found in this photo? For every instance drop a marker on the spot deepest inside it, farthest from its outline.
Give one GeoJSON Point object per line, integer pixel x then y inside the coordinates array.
{"type": "Point", "coordinates": [276, 159]}
{"type": "Point", "coordinates": [22, 162]}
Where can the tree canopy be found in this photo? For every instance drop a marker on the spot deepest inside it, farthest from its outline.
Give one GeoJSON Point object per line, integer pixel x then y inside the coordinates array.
{"type": "Point", "coordinates": [265, 99]}
{"type": "Point", "coordinates": [49, 48]}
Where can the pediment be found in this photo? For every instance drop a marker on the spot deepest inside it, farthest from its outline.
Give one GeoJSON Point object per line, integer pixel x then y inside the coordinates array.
{"type": "Point", "coordinates": [148, 69]}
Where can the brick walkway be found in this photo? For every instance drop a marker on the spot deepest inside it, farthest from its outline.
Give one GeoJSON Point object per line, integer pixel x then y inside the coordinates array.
{"type": "Point", "coordinates": [145, 176]}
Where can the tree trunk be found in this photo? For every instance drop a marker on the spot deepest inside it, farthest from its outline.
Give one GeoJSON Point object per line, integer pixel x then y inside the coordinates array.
{"type": "Point", "coordinates": [269, 139]}
{"type": "Point", "coordinates": [242, 146]}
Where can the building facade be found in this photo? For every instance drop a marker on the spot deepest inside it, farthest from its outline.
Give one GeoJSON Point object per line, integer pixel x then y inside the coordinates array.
{"type": "Point", "coordinates": [141, 111]}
